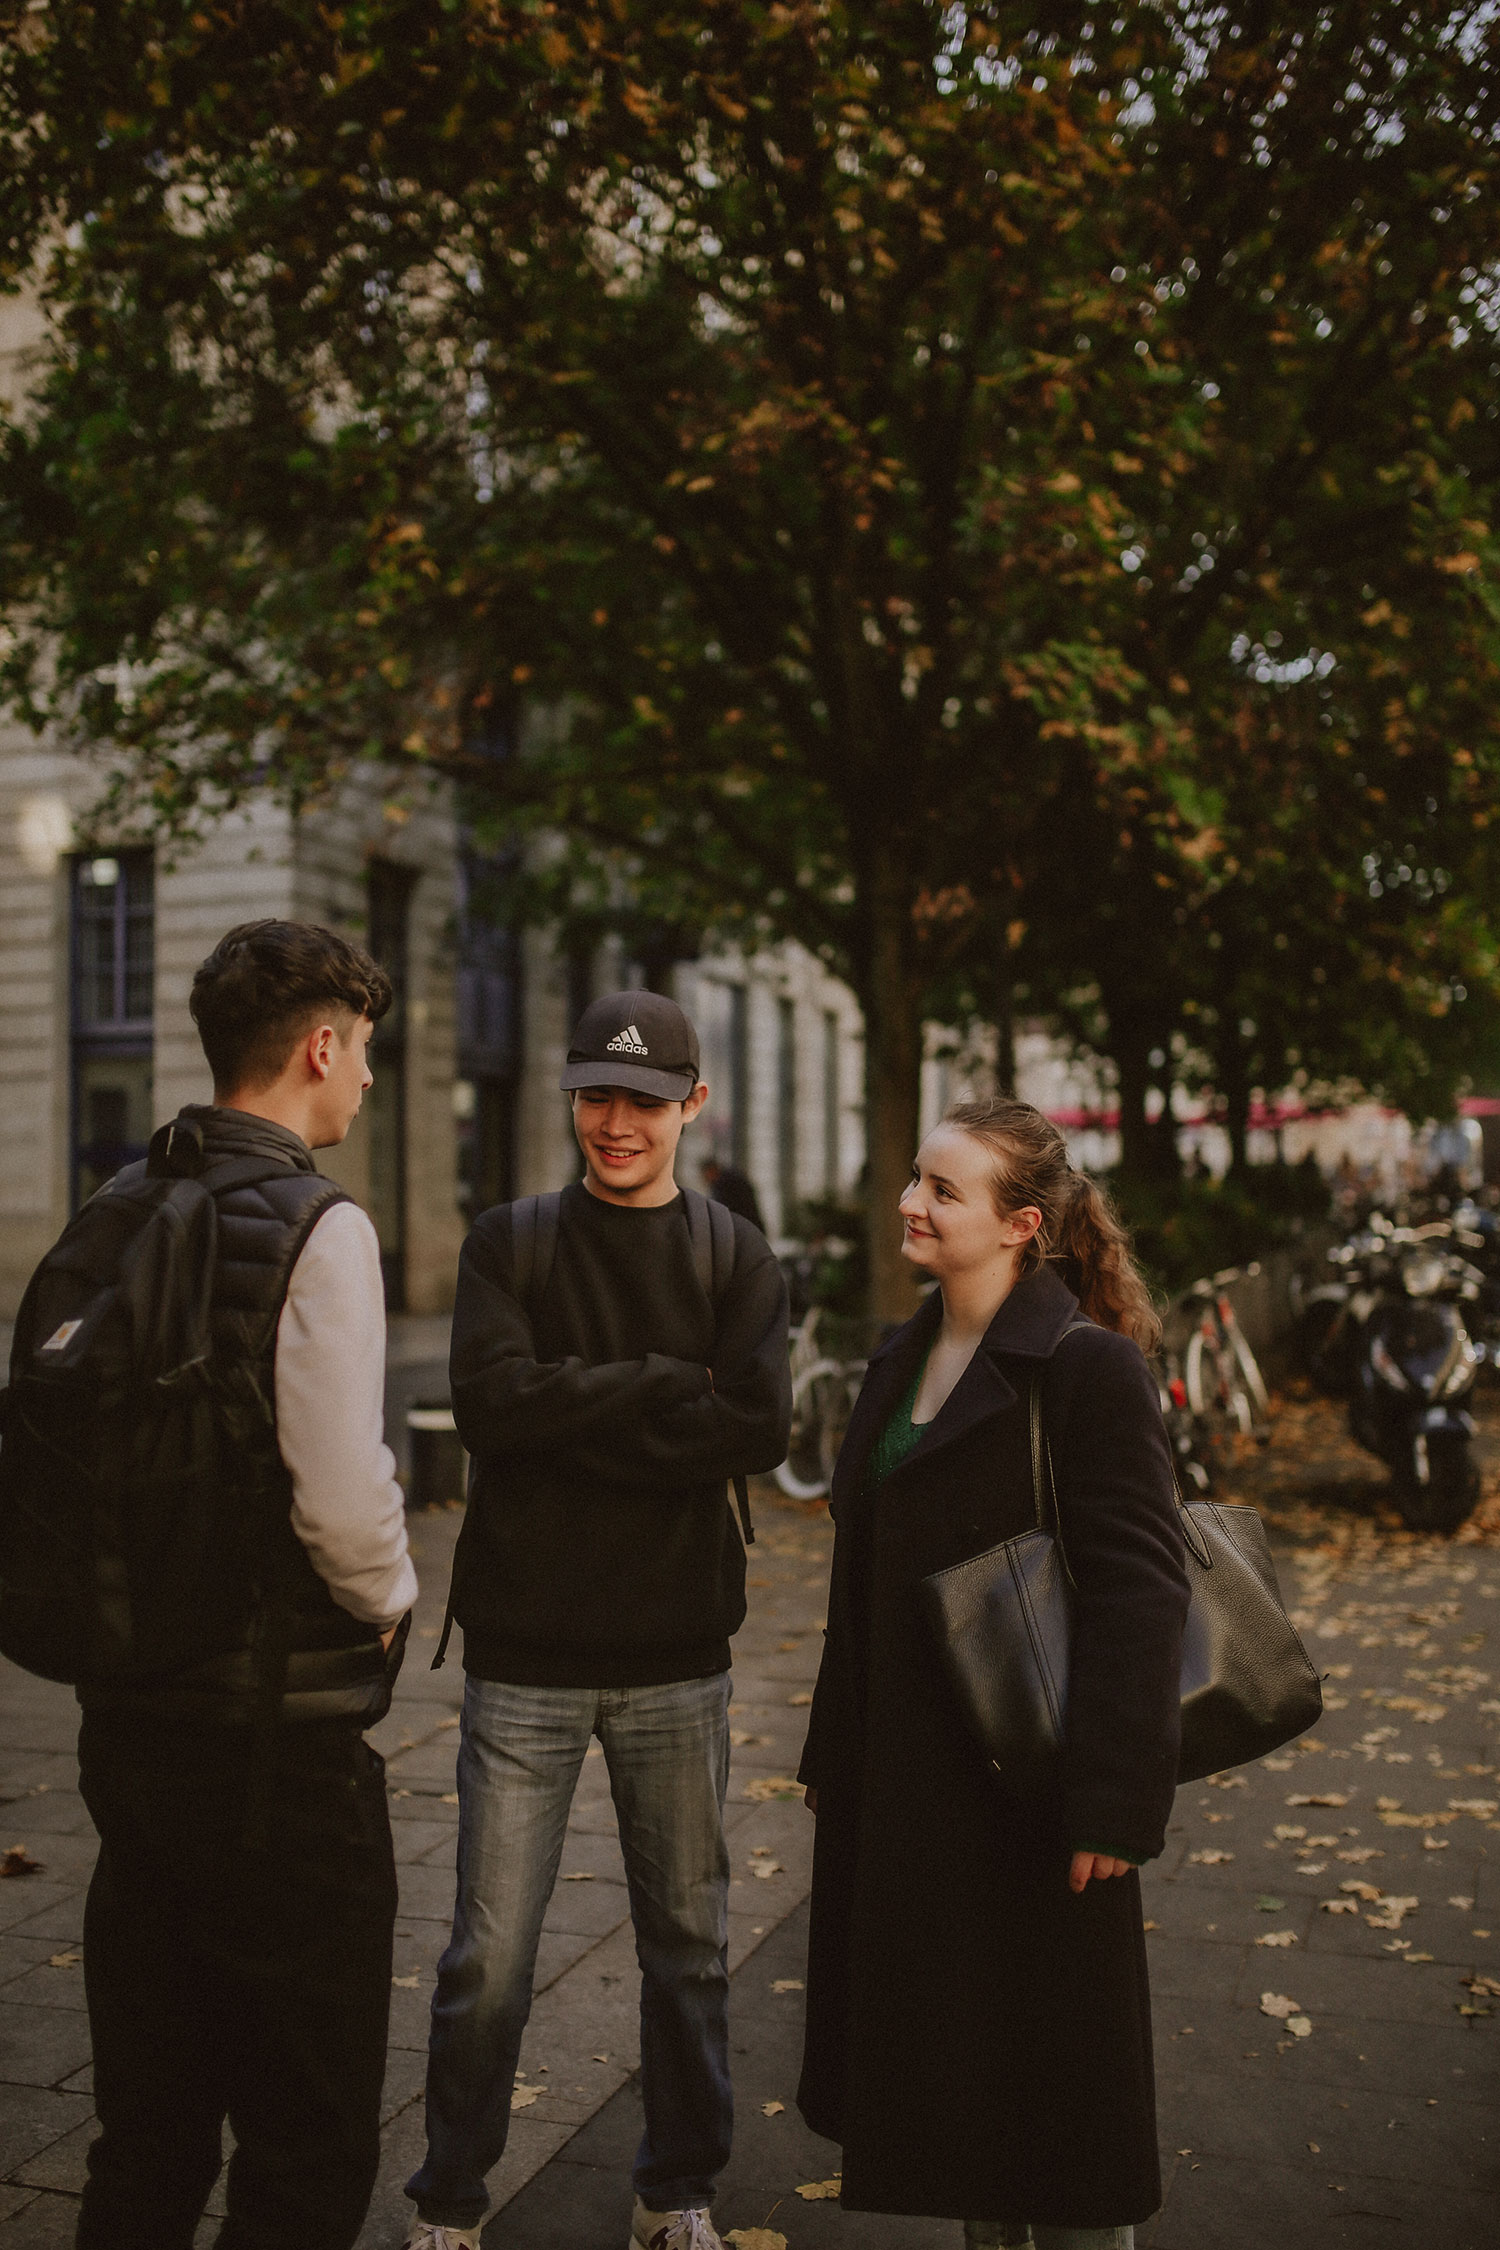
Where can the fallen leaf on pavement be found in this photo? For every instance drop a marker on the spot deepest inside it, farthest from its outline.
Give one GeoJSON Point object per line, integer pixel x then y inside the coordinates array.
{"type": "Point", "coordinates": [1288, 1833]}
{"type": "Point", "coordinates": [1418, 1819]}
{"type": "Point", "coordinates": [1360, 1853]}
{"type": "Point", "coordinates": [1312, 1867]}
{"type": "Point", "coordinates": [1266, 1904]}
{"type": "Point", "coordinates": [800, 1700]}
{"type": "Point", "coordinates": [823, 2191]}
{"type": "Point", "coordinates": [1278, 1937]}
{"type": "Point", "coordinates": [762, 1790]}
{"type": "Point", "coordinates": [765, 1868]}
{"type": "Point", "coordinates": [523, 2096]}
{"type": "Point", "coordinates": [18, 1861]}
{"type": "Point", "coordinates": [787, 1984]}
{"type": "Point", "coordinates": [1208, 1859]}
{"type": "Point", "coordinates": [1487, 1988]}
{"type": "Point", "coordinates": [1278, 2005]}
{"type": "Point", "coordinates": [1393, 1912]}
{"type": "Point", "coordinates": [1464, 1905]}
{"type": "Point", "coordinates": [601, 2058]}
{"type": "Point", "coordinates": [1436, 1843]}
{"type": "Point", "coordinates": [580, 1875]}
{"type": "Point", "coordinates": [64, 1960]}
{"type": "Point", "coordinates": [1304, 1798]}
{"type": "Point", "coordinates": [1339, 1905]}
{"type": "Point", "coordinates": [756, 2238]}
{"type": "Point", "coordinates": [1355, 1886]}
{"type": "Point", "coordinates": [1482, 1808]}
{"type": "Point", "coordinates": [449, 1797]}
{"type": "Point", "coordinates": [772, 2109]}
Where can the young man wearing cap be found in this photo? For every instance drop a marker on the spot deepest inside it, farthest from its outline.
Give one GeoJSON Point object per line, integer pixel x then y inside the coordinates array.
{"type": "Point", "coordinates": [607, 1392]}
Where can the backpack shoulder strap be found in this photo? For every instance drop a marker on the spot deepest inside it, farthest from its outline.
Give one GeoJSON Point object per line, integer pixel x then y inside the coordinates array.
{"type": "Point", "coordinates": [523, 1243]}
{"type": "Point", "coordinates": [534, 1222]}
{"type": "Point", "coordinates": [721, 1226]}
{"type": "Point", "coordinates": [711, 1230]}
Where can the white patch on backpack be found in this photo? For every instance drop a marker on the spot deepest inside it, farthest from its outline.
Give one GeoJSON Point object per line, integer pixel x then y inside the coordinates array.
{"type": "Point", "coordinates": [627, 1042]}
{"type": "Point", "coordinates": [62, 1337]}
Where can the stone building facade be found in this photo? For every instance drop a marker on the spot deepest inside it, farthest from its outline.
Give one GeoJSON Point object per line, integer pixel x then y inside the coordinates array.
{"type": "Point", "coordinates": [99, 941]}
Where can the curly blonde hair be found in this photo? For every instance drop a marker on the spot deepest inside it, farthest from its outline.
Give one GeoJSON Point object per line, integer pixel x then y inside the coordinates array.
{"type": "Point", "coordinates": [1080, 1230]}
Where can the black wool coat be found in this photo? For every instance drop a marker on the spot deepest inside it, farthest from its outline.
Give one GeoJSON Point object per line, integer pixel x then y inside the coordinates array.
{"type": "Point", "coordinates": [978, 2038]}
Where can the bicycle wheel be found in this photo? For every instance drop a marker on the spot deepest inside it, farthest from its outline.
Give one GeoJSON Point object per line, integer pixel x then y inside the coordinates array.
{"type": "Point", "coordinates": [1197, 1371]}
{"type": "Point", "coordinates": [808, 1468]}
{"type": "Point", "coordinates": [1216, 1391]}
{"type": "Point", "coordinates": [1250, 1374]}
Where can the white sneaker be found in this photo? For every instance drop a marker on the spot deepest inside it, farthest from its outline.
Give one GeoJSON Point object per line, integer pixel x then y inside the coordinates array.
{"type": "Point", "coordinates": [425, 2236]}
{"type": "Point", "coordinates": [673, 2230]}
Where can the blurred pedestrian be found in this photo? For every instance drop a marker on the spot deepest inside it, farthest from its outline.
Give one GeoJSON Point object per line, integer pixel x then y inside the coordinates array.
{"type": "Point", "coordinates": [735, 1190]}
{"type": "Point", "coordinates": [978, 2023]}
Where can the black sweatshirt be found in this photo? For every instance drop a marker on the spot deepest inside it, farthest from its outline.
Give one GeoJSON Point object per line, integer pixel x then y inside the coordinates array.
{"type": "Point", "coordinates": [600, 1548]}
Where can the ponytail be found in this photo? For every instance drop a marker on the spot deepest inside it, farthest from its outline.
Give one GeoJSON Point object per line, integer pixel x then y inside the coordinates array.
{"type": "Point", "coordinates": [1080, 1231]}
{"type": "Point", "coordinates": [1093, 1251]}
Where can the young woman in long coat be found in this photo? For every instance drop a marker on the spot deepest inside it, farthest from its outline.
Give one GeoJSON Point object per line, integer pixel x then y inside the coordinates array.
{"type": "Point", "coordinates": [978, 2019]}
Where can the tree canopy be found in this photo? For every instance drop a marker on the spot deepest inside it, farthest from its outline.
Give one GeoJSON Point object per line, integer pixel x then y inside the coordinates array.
{"type": "Point", "coordinates": [1001, 495]}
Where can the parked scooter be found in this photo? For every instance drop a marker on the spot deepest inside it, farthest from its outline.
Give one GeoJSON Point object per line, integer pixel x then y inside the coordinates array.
{"type": "Point", "coordinates": [1403, 1338]}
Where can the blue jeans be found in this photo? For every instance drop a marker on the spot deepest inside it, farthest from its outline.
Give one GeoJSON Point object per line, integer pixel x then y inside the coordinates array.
{"type": "Point", "coordinates": [519, 1756]}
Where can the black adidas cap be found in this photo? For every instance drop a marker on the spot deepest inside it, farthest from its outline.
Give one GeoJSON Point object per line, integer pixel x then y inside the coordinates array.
{"type": "Point", "coordinates": [636, 1040]}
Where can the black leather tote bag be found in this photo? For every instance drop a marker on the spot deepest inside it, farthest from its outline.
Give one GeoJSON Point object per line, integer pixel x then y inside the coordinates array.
{"type": "Point", "coordinates": [1004, 1622]}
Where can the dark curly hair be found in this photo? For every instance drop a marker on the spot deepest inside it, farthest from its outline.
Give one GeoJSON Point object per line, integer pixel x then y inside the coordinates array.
{"type": "Point", "coordinates": [266, 985]}
{"type": "Point", "coordinates": [1080, 1231]}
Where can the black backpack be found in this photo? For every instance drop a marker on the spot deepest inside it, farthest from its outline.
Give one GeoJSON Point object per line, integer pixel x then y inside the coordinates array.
{"type": "Point", "coordinates": [126, 1552]}
{"type": "Point", "coordinates": [534, 1224]}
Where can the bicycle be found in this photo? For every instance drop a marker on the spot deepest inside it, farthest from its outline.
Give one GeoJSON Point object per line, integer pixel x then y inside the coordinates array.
{"type": "Point", "coordinates": [1225, 1388]}
{"type": "Point", "coordinates": [823, 1393]}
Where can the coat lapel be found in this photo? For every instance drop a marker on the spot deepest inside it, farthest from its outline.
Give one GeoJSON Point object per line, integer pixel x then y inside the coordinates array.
{"type": "Point", "coordinates": [1027, 1327]}
{"type": "Point", "coordinates": [890, 1370]}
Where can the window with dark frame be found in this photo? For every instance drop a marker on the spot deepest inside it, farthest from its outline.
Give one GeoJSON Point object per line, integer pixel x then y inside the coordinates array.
{"type": "Point", "coordinates": [389, 926]}
{"type": "Point", "coordinates": [786, 1108]}
{"type": "Point", "coordinates": [739, 1078]}
{"type": "Point", "coordinates": [832, 1120]}
{"type": "Point", "coordinates": [112, 978]}
{"type": "Point", "coordinates": [489, 1033]}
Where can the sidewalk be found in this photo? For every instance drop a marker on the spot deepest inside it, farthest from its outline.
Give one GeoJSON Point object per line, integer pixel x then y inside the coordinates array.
{"type": "Point", "coordinates": [582, 2046]}
{"type": "Point", "coordinates": [1374, 2130]}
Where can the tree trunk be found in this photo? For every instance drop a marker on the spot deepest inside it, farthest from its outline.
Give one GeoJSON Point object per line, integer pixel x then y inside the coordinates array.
{"type": "Point", "coordinates": [1005, 1031]}
{"type": "Point", "coordinates": [1234, 1091]}
{"type": "Point", "coordinates": [1129, 1056]}
{"type": "Point", "coordinates": [1148, 1147]}
{"type": "Point", "coordinates": [892, 1004]}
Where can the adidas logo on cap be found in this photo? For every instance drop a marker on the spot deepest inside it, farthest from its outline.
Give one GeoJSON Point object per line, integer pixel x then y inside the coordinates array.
{"type": "Point", "coordinates": [626, 1042]}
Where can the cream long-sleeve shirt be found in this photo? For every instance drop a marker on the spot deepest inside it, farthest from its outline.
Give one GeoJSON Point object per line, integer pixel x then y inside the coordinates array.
{"type": "Point", "coordinates": [347, 1508]}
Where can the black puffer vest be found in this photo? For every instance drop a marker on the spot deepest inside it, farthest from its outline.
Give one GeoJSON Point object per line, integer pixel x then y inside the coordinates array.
{"type": "Point", "coordinates": [334, 1665]}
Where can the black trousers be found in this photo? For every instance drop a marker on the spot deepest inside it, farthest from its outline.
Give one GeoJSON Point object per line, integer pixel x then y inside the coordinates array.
{"type": "Point", "coordinates": [234, 1981]}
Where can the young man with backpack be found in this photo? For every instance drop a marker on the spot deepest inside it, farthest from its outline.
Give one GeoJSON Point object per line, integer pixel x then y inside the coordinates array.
{"type": "Point", "coordinates": [619, 1358]}
{"type": "Point", "coordinates": [200, 1528]}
